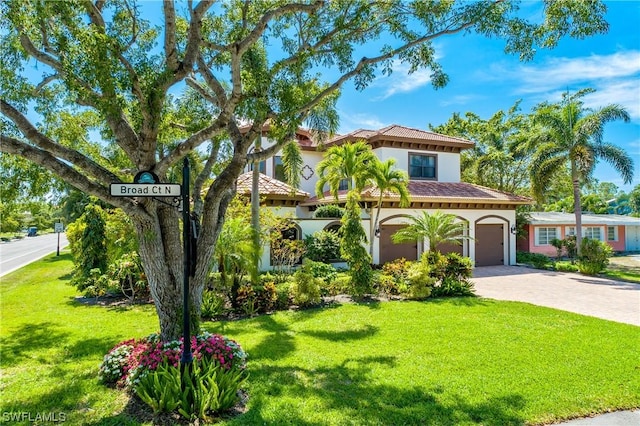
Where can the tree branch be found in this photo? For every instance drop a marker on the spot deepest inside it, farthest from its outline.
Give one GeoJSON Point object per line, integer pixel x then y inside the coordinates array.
{"type": "Point", "coordinates": [41, 141]}
{"type": "Point", "coordinates": [190, 143]}
{"type": "Point", "coordinates": [47, 160]}
{"type": "Point", "coordinates": [202, 177]}
{"type": "Point", "coordinates": [170, 47]}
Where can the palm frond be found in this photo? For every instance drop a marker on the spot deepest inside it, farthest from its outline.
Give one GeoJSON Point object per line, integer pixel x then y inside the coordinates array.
{"type": "Point", "coordinates": [619, 159]}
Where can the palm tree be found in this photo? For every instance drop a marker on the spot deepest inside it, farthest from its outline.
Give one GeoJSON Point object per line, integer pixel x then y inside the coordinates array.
{"type": "Point", "coordinates": [351, 161]}
{"type": "Point", "coordinates": [573, 134]}
{"type": "Point", "coordinates": [388, 180]}
{"type": "Point", "coordinates": [437, 227]}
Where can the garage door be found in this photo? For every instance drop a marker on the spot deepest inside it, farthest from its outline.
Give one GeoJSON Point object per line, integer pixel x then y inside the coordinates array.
{"type": "Point", "coordinates": [390, 251]}
{"type": "Point", "coordinates": [445, 248]}
{"type": "Point", "coordinates": [489, 245]}
{"type": "Point", "coordinates": [632, 238]}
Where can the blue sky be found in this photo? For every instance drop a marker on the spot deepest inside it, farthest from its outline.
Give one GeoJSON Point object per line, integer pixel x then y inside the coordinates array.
{"type": "Point", "coordinates": [484, 80]}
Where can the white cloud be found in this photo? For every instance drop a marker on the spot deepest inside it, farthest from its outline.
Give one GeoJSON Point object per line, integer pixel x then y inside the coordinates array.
{"type": "Point", "coordinates": [625, 93]}
{"type": "Point", "coordinates": [559, 72]}
{"type": "Point", "coordinates": [350, 122]}
{"type": "Point", "coordinates": [400, 81]}
{"type": "Point", "coordinates": [460, 100]}
{"type": "Point", "coordinates": [615, 77]}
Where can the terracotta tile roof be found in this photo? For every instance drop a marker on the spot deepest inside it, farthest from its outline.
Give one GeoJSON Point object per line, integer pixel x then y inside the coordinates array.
{"type": "Point", "coordinates": [269, 187]}
{"type": "Point", "coordinates": [395, 132]}
{"type": "Point", "coordinates": [430, 191]}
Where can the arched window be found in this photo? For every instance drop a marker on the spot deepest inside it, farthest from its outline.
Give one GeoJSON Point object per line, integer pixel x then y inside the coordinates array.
{"type": "Point", "coordinates": [333, 227]}
{"type": "Point", "coordinates": [287, 246]}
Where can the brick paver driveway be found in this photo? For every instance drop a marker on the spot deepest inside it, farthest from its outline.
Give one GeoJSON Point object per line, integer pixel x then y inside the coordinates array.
{"type": "Point", "coordinates": [594, 296]}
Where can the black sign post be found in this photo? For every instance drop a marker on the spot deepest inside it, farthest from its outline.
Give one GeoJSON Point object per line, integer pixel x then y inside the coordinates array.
{"type": "Point", "coordinates": [187, 357]}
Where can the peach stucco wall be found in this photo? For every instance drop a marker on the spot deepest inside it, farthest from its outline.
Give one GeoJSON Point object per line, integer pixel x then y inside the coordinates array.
{"type": "Point", "coordinates": [550, 250]}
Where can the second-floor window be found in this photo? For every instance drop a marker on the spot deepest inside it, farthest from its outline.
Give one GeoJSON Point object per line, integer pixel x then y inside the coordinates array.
{"type": "Point", "coordinates": [262, 168]}
{"type": "Point", "coordinates": [278, 169]}
{"type": "Point", "coordinates": [422, 166]}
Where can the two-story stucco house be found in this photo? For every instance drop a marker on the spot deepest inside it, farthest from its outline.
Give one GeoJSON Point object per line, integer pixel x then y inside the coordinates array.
{"type": "Point", "coordinates": [432, 162]}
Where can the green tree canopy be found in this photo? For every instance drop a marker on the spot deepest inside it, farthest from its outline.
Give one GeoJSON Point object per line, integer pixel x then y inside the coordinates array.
{"type": "Point", "coordinates": [499, 159]}
{"type": "Point", "coordinates": [572, 134]}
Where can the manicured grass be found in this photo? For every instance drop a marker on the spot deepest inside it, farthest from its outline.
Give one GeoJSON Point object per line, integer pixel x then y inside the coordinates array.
{"type": "Point", "coordinates": [444, 362]}
{"type": "Point", "coordinates": [623, 268]}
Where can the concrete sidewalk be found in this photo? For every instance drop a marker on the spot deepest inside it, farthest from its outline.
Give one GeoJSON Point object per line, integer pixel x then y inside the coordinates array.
{"type": "Point", "coordinates": [593, 296]}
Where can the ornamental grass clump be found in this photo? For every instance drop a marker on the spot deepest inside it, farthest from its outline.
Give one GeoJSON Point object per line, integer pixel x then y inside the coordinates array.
{"type": "Point", "coordinates": [150, 368]}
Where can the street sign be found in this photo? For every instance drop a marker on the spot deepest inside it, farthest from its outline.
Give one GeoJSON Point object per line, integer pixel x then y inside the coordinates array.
{"type": "Point", "coordinates": [145, 190]}
{"type": "Point", "coordinates": [58, 227]}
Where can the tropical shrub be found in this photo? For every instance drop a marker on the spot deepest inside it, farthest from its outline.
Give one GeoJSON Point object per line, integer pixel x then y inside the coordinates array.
{"type": "Point", "coordinates": [329, 211]}
{"type": "Point", "coordinates": [565, 267]}
{"type": "Point", "coordinates": [305, 289]}
{"type": "Point", "coordinates": [396, 268]}
{"type": "Point", "coordinates": [352, 239]}
{"type": "Point", "coordinates": [559, 245]}
{"type": "Point", "coordinates": [204, 388]}
{"type": "Point", "coordinates": [126, 274]}
{"type": "Point", "coordinates": [324, 271]}
{"type": "Point", "coordinates": [386, 284]}
{"type": "Point", "coordinates": [322, 246]}
{"type": "Point", "coordinates": [283, 295]}
{"type": "Point", "coordinates": [340, 285]}
{"type": "Point", "coordinates": [595, 256]}
{"type": "Point", "coordinates": [570, 246]}
{"type": "Point", "coordinates": [537, 260]}
{"type": "Point", "coordinates": [456, 277]}
{"type": "Point", "coordinates": [419, 281]}
{"type": "Point", "coordinates": [458, 267]}
{"type": "Point", "coordinates": [212, 304]}
{"type": "Point", "coordinates": [88, 246]}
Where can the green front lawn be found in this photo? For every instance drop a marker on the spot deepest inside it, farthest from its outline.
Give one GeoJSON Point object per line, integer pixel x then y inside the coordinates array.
{"type": "Point", "coordinates": [445, 362]}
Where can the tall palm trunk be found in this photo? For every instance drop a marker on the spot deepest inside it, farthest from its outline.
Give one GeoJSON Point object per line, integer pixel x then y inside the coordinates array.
{"type": "Point", "coordinates": [255, 216]}
{"type": "Point", "coordinates": [577, 207]}
{"type": "Point", "coordinates": [375, 225]}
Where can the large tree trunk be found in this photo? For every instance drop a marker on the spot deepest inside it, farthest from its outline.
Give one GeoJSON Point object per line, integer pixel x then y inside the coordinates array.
{"type": "Point", "coordinates": [160, 249]}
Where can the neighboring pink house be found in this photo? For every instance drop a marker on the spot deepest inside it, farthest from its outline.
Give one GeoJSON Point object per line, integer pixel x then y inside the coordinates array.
{"type": "Point", "coordinates": [622, 233]}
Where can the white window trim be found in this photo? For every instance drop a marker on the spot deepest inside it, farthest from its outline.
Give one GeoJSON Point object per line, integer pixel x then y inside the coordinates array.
{"type": "Point", "coordinates": [615, 233]}
{"type": "Point", "coordinates": [537, 234]}
{"type": "Point", "coordinates": [602, 232]}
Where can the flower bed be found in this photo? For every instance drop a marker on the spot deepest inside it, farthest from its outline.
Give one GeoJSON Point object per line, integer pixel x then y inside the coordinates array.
{"type": "Point", "coordinates": [130, 362]}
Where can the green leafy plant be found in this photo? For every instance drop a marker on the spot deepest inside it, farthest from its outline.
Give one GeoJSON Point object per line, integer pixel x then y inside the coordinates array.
{"type": "Point", "coordinates": [212, 304]}
{"type": "Point", "coordinates": [194, 391]}
{"type": "Point", "coordinates": [329, 211]}
{"type": "Point", "coordinates": [537, 260]}
{"type": "Point", "coordinates": [88, 245]}
{"type": "Point", "coordinates": [305, 289]}
{"type": "Point", "coordinates": [351, 247]}
{"type": "Point", "coordinates": [419, 281]}
{"type": "Point", "coordinates": [161, 388]}
{"type": "Point", "coordinates": [322, 246]}
{"type": "Point", "coordinates": [559, 245]}
{"type": "Point", "coordinates": [565, 267]}
{"type": "Point", "coordinates": [594, 256]}
{"type": "Point", "coordinates": [127, 274]}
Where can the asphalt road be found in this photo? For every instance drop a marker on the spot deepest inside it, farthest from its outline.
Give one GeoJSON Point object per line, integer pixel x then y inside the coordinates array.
{"type": "Point", "coordinates": [18, 253]}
